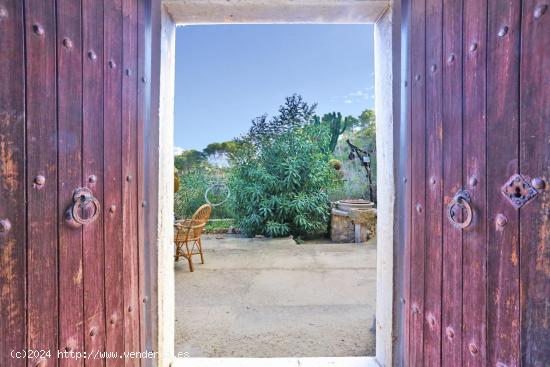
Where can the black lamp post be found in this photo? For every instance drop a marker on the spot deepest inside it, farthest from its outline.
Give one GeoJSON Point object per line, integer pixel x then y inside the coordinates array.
{"type": "Point", "coordinates": [364, 158]}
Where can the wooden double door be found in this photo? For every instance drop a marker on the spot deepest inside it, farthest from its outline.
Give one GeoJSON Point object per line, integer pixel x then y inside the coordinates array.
{"type": "Point", "coordinates": [477, 281]}
{"type": "Point", "coordinates": [77, 97]}
{"type": "Point", "coordinates": [74, 91]}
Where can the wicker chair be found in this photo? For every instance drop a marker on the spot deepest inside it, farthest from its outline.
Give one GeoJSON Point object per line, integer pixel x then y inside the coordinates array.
{"type": "Point", "coordinates": [188, 235]}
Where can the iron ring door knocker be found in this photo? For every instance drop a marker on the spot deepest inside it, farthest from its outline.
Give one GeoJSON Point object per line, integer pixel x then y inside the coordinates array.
{"type": "Point", "coordinates": [462, 200]}
{"type": "Point", "coordinates": [82, 200]}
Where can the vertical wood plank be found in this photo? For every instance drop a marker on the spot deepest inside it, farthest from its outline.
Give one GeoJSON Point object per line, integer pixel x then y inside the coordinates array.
{"type": "Point", "coordinates": [140, 169]}
{"type": "Point", "coordinates": [452, 181]}
{"type": "Point", "coordinates": [42, 287]}
{"type": "Point", "coordinates": [434, 176]}
{"type": "Point", "coordinates": [534, 133]}
{"type": "Point", "coordinates": [405, 157]}
{"type": "Point", "coordinates": [474, 176]}
{"type": "Point", "coordinates": [143, 95]}
{"type": "Point", "coordinates": [152, 87]}
{"type": "Point", "coordinates": [12, 183]}
{"type": "Point", "coordinates": [114, 285]}
{"type": "Point", "coordinates": [149, 23]}
{"type": "Point", "coordinates": [69, 109]}
{"type": "Point", "coordinates": [502, 161]}
{"type": "Point", "coordinates": [129, 172]}
{"type": "Point", "coordinates": [92, 170]}
{"type": "Point", "coordinates": [418, 192]}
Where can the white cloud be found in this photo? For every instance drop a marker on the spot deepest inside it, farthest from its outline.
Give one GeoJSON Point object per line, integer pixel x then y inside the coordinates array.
{"type": "Point", "coordinates": [178, 150]}
{"type": "Point", "coordinates": [358, 96]}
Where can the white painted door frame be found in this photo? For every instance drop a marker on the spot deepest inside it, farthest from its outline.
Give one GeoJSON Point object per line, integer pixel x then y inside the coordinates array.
{"type": "Point", "coordinates": [181, 12]}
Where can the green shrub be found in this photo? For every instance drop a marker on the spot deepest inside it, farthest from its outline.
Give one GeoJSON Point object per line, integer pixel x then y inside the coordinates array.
{"type": "Point", "coordinates": [190, 195]}
{"type": "Point", "coordinates": [219, 225]}
{"type": "Point", "coordinates": [281, 187]}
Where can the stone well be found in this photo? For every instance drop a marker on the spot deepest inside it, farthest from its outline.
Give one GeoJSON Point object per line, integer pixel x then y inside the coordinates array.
{"type": "Point", "coordinates": [352, 221]}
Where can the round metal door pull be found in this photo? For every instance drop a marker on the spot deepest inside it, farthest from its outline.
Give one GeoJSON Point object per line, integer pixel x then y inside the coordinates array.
{"type": "Point", "coordinates": [462, 200]}
{"type": "Point", "coordinates": [82, 200]}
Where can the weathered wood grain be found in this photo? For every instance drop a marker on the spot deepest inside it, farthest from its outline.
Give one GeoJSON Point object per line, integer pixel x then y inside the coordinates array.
{"type": "Point", "coordinates": [61, 75]}
{"type": "Point", "coordinates": [146, 167]}
{"type": "Point", "coordinates": [502, 161]}
{"type": "Point", "coordinates": [433, 182]}
{"type": "Point", "coordinates": [474, 180]}
{"type": "Point", "coordinates": [418, 190]}
{"type": "Point", "coordinates": [534, 134]}
{"type": "Point", "coordinates": [112, 145]}
{"type": "Point", "coordinates": [141, 110]}
{"type": "Point", "coordinates": [405, 132]}
{"type": "Point", "coordinates": [12, 183]}
{"type": "Point", "coordinates": [42, 203]}
{"type": "Point", "coordinates": [452, 181]}
{"type": "Point", "coordinates": [69, 109]}
{"type": "Point", "coordinates": [92, 170]}
{"type": "Point", "coordinates": [129, 174]}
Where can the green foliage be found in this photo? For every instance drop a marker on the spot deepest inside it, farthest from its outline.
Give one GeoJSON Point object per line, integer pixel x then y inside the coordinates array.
{"type": "Point", "coordinates": [336, 125]}
{"type": "Point", "coordinates": [294, 113]}
{"type": "Point", "coordinates": [367, 121]}
{"type": "Point", "coordinates": [219, 226]}
{"type": "Point", "coordinates": [228, 148]}
{"type": "Point", "coordinates": [190, 196]}
{"type": "Point", "coordinates": [189, 160]}
{"type": "Point", "coordinates": [281, 187]}
{"type": "Point", "coordinates": [366, 130]}
{"type": "Point", "coordinates": [283, 173]}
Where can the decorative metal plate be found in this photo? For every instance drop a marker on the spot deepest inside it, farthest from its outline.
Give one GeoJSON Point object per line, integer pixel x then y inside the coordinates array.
{"type": "Point", "coordinates": [518, 190]}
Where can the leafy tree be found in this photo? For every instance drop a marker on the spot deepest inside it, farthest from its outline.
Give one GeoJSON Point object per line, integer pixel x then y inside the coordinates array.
{"type": "Point", "coordinates": [227, 148]}
{"type": "Point", "coordinates": [367, 120]}
{"type": "Point", "coordinates": [281, 184]}
{"type": "Point", "coordinates": [189, 160]}
{"type": "Point", "coordinates": [295, 112]}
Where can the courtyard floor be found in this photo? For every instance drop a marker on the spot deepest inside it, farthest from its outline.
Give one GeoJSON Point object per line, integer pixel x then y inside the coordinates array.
{"type": "Point", "coordinates": [273, 298]}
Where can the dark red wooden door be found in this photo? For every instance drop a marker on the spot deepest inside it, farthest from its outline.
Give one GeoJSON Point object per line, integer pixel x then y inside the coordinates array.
{"type": "Point", "coordinates": [72, 91]}
{"type": "Point", "coordinates": [478, 111]}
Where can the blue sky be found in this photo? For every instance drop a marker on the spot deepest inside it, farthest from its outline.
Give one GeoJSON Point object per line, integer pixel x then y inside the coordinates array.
{"type": "Point", "coordinates": [228, 74]}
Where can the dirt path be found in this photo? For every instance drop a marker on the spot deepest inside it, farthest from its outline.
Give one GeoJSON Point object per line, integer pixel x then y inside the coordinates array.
{"type": "Point", "coordinates": [273, 298]}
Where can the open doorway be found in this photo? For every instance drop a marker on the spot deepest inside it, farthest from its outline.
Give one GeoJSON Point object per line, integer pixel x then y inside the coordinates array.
{"type": "Point", "coordinates": [274, 130]}
{"type": "Point", "coordinates": [384, 154]}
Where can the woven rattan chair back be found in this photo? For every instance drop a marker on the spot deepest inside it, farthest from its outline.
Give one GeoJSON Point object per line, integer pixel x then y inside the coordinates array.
{"type": "Point", "coordinates": [188, 235]}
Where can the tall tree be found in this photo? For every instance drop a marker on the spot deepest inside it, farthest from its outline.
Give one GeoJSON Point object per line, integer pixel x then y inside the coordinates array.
{"type": "Point", "coordinates": [367, 119]}
{"type": "Point", "coordinates": [188, 160]}
{"type": "Point", "coordinates": [227, 148]}
{"type": "Point", "coordinates": [295, 112]}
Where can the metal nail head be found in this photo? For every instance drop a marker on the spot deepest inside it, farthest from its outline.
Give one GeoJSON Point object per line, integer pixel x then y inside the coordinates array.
{"type": "Point", "coordinates": [38, 29]}
{"type": "Point", "coordinates": [67, 43]}
{"type": "Point", "coordinates": [540, 11]}
{"type": "Point", "coordinates": [538, 183]}
{"type": "Point", "coordinates": [5, 226]}
{"type": "Point", "coordinates": [503, 31]}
